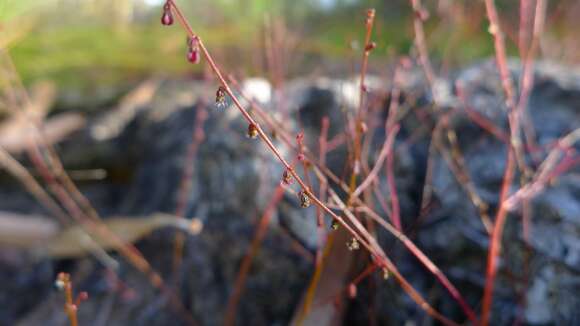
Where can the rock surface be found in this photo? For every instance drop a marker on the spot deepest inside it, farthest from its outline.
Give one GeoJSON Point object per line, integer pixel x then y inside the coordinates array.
{"type": "Point", "coordinates": [234, 178]}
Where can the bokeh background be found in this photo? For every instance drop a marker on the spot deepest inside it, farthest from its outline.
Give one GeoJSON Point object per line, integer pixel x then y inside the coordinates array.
{"type": "Point", "coordinates": [122, 107]}
{"type": "Point", "coordinates": [110, 43]}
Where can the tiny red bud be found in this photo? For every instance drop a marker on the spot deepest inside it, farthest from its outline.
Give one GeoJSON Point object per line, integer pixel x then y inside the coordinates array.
{"type": "Point", "coordinates": [300, 137]}
{"type": "Point", "coordinates": [362, 127]}
{"type": "Point", "coordinates": [193, 55]}
{"type": "Point", "coordinates": [422, 14]}
{"type": "Point", "coordinates": [83, 296]}
{"type": "Point", "coordinates": [370, 46]}
{"type": "Point", "coordinates": [167, 18]}
{"type": "Point", "coordinates": [352, 291]}
{"type": "Point", "coordinates": [301, 157]}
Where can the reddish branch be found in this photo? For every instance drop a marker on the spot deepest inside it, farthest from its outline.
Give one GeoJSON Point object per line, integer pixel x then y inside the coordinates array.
{"type": "Point", "coordinates": [514, 154]}
{"type": "Point", "coordinates": [354, 226]}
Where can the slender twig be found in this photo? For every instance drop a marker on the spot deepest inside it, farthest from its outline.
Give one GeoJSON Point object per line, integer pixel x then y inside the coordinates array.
{"type": "Point", "coordinates": [185, 184]}
{"type": "Point", "coordinates": [361, 113]}
{"type": "Point", "coordinates": [71, 305]}
{"type": "Point", "coordinates": [514, 119]}
{"type": "Point", "coordinates": [357, 230]}
{"type": "Point", "coordinates": [420, 14]}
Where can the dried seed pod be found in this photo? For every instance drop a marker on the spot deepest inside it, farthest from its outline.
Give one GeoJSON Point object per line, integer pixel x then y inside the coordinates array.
{"type": "Point", "coordinates": [220, 97]}
{"type": "Point", "coordinates": [252, 131]}
{"type": "Point", "coordinates": [334, 225]}
{"type": "Point", "coordinates": [353, 244]}
{"type": "Point", "coordinates": [167, 17]}
{"type": "Point", "coordinates": [287, 178]}
{"type": "Point", "coordinates": [304, 199]}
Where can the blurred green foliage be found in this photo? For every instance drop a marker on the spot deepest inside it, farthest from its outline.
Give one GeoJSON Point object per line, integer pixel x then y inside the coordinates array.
{"type": "Point", "coordinates": [91, 43]}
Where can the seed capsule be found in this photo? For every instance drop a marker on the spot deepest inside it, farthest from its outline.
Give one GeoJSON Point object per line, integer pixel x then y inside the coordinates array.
{"type": "Point", "coordinates": [353, 244]}
{"type": "Point", "coordinates": [167, 17]}
{"type": "Point", "coordinates": [287, 178]}
{"type": "Point", "coordinates": [220, 97]}
{"type": "Point", "coordinates": [304, 199]}
{"type": "Point", "coordinates": [334, 225]}
{"type": "Point", "coordinates": [252, 131]}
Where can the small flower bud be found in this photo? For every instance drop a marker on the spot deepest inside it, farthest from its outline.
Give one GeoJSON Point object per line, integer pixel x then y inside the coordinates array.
{"type": "Point", "coordinates": [301, 157]}
{"type": "Point", "coordinates": [193, 55]}
{"type": "Point", "coordinates": [370, 46]}
{"type": "Point", "coordinates": [352, 291]}
{"type": "Point", "coordinates": [362, 127]}
{"type": "Point", "coordinates": [353, 244]}
{"type": "Point", "coordinates": [422, 14]}
{"type": "Point", "coordinates": [304, 199]}
{"type": "Point", "coordinates": [300, 137]}
{"type": "Point", "coordinates": [167, 17]}
{"type": "Point", "coordinates": [252, 131]}
{"type": "Point", "coordinates": [81, 297]}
